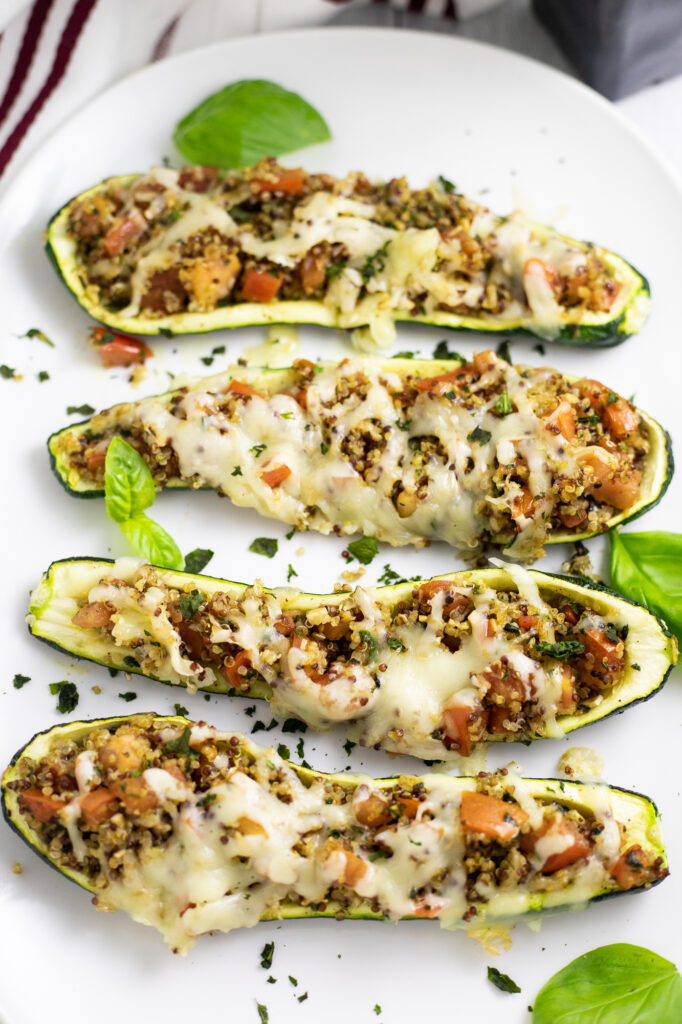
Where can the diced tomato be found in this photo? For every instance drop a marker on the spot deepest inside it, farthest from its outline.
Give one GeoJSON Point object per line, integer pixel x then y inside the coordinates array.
{"type": "Point", "coordinates": [429, 907]}
{"type": "Point", "coordinates": [119, 237]}
{"type": "Point", "coordinates": [123, 752]}
{"type": "Point", "coordinates": [275, 476]}
{"type": "Point", "coordinates": [43, 808]}
{"type": "Point", "coordinates": [523, 504]}
{"type": "Point", "coordinates": [433, 384]}
{"type": "Point", "coordinates": [231, 672]}
{"type": "Point", "coordinates": [192, 639]}
{"type": "Point", "coordinates": [456, 722]}
{"type": "Point", "coordinates": [291, 182]}
{"type": "Point", "coordinates": [92, 616]}
{"type": "Point", "coordinates": [569, 615]}
{"type": "Point", "coordinates": [374, 811]}
{"type": "Point", "coordinates": [484, 361]}
{"type": "Point", "coordinates": [488, 816]}
{"type": "Point", "coordinates": [134, 793]}
{"type": "Point", "coordinates": [570, 520]}
{"type": "Point", "coordinates": [634, 868]}
{"type": "Point", "coordinates": [239, 387]}
{"type": "Point", "coordinates": [98, 806]}
{"type": "Point", "coordinates": [505, 684]}
{"type": "Point", "coordinates": [408, 806]}
{"type": "Point", "coordinates": [527, 622]}
{"type": "Point", "coordinates": [260, 286]}
{"type": "Point", "coordinates": [603, 660]}
{"type": "Point", "coordinates": [559, 825]}
{"type": "Point", "coordinates": [594, 390]}
{"type": "Point", "coordinates": [285, 625]}
{"type": "Point", "coordinates": [117, 349]}
{"type": "Point", "coordinates": [613, 485]}
{"type": "Point", "coordinates": [356, 868]}
{"type": "Point", "coordinates": [96, 456]}
{"type": "Point", "coordinates": [620, 419]}
{"type": "Point", "coordinates": [562, 421]}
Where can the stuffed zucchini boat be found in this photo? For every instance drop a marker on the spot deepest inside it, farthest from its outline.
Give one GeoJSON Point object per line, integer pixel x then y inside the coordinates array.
{"type": "Point", "coordinates": [428, 669]}
{"type": "Point", "coordinates": [404, 450]}
{"type": "Point", "coordinates": [190, 251]}
{"type": "Point", "coordinates": [192, 830]}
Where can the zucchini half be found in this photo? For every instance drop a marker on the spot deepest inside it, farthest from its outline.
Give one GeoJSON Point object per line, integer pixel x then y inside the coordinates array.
{"type": "Point", "coordinates": [656, 476]}
{"type": "Point", "coordinates": [650, 649]}
{"type": "Point", "coordinates": [593, 330]}
{"type": "Point", "coordinates": [635, 814]}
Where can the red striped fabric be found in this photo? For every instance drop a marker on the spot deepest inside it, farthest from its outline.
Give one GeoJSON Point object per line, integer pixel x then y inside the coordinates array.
{"type": "Point", "coordinates": [27, 51]}
{"type": "Point", "coordinates": [79, 15]}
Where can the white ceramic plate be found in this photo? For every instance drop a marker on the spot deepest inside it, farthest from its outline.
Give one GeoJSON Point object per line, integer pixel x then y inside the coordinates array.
{"type": "Point", "coordinates": [397, 102]}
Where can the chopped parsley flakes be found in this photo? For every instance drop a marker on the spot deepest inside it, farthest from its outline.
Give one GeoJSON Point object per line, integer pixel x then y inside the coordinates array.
{"type": "Point", "coordinates": [191, 603]}
{"type": "Point", "coordinates": [198, 559]}
{"type": "Point", "coordinates": [68, 696]}
{"type": "Point", "coordinates": [20, 681]}
{"type": "Point", "coordinates": [266, 546]}
{"type": "Point", "coordinates": [364, 549]}
{"type": "Point", "coordinates": [81, 410]}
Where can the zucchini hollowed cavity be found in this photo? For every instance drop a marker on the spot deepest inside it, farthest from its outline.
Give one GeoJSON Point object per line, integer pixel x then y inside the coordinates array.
{"type": "Point", "coordinates": [404, 450]}
{"type": "Point", "coordinates": [228, 833]}
{"type": "Point", "coordinates": [433, 264]}
{"type": "Point", "coordinates": [427, 669]}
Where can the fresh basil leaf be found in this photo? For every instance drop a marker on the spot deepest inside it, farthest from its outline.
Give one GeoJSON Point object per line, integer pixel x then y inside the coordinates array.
{"type": "Point", "coordinates": [20, 680]}
{"type": "Point", "coordinates": [479, 436]}
{"type": "Point", "coordinates": [264, 546]}
{"type": "Point", "coordinates": [502, 981]}
{"type": "Point", "coordinates": [180, 745]}
{"type": "Point", "coordinates": [363, 549]}
{"type": "Point", "coordinates": [647, 567]}
{"type": "Point", "coordinates": [151, 542]}
{"type": "Point", "coordinates": [191, 603]}
{"type": "Point", "coordinates": [128, 485]}
{"type": "Point", "coordinates": [181, 710]}
{"type": "Point", "coordinates": [562, 650]}
{"type": "Point", "coordinates": [68, 696]}
{"type": "Point", "coordinates": [617, 984]}
{"type": "Point", "coordinates": [8, 372]}
{"type": "Point", "coordinates": [198, 559]}
{"type": "Point", "coordinates": [34, 332]}
{"type": "Point", "coordinates": [247, 120]}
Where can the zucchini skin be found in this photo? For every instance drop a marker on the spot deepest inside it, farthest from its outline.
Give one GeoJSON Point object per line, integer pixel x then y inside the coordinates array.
{"type": "Point", "coordinates": [643, 685]}
{"type": "Point", "coordinates": [607, 334]}
{"type": "Point", "coordinates": [662, 462]}
{"type": "Point", "coordinates": [642, 824]}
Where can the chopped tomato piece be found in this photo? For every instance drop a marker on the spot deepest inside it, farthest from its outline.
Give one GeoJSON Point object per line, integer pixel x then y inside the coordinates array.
{"type": "Point", "coordinates": [96, 456]}
{"type": "Point", "coordinates": [408, 806]}
{"type": "Point", "coordinates": [497, 717]}
{"type": "Point", "coordinates": [275, 476]}
{"type": "Point", "coordinates": [92, 616]}
{"type": "Point", "coordinates": [123, 752]}
{"type": "Point", "coordinates": [429, 907]}
{"type": "Point", "coordinates": [285, 625]}
{"type": "Point", "coordinates": [43, 808]}
{"type": "Point", "coordinates": [620, 419]}
{"type": "Point", "coordinates": [260, 286]}
{"type": "Point", "coordinates": [374, 811]}
{"type": "Point", "coordinates": [558, 825]}
{"type": "Point", "coordinates": [569, 615]}
{"type": "Point", "coordinates": [595, 391]}
{"type": "Point", "coordinates": [117, 349]}
{"type": "Point", "coordinates": [356, 868]}
{"type": "Point", "coordinates": [484, 361]}
{"type": "Point", "coordinates": [291, 181]}
{"type": "Point", "coordinates": [488, 816]}
{"type": "Point", "coordinates": [527, 622]}
{"type": "Point", "coordinates": [134, 793]}
{"type": "Point", "coordinates": [613, 485]}
{"type": "Point", "coordinates": [433, 384]}
{"type": "Point", "coordinates": [463, 725]}
{"type": "Point", "coordinates": [523, 504]}
{"type": "Point", "coordinates": [570, 520]}
{"type": "Point", "coordinates": [231, 672]}
{"type": "Point", "coordinates": [505, 685]}
{"type": "Point", "coordinates": [192, 639]}
{"type": "Point", "coordinates": [634, 868]}
{"type": "Point", "coordinates": [98, 805]}
{"type": "Point", "coordinates": [239, 387]}
{"type": "Point", "coordinates": [119, 237]}
{"type": "Point", "coordinates": [604, 660]}
{"type": "Point", "coordinates": [562, 420]}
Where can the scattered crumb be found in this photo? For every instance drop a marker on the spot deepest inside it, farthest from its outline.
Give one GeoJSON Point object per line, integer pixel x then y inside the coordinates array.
{"type": "Point", "coordinates": [351, 575]}
{"type": "Point", "coordinates": [300, 552]}
{"type": "Point", "coordinates": [138, 375]}
{"type": "Point", "coordinates": [581, 763]}
{"type": "Point", "coordinates": [17, 869]}
{"type": "Point", "coordinates": [96, 689]}
{"type": "Point", "coordinates": [495, 939]}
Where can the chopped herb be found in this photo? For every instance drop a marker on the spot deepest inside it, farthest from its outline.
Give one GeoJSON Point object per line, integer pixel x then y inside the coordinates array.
{"type": "Point", "coordinates": [390, 576]}
{"type": "Point", "coordinates": [503, 404]}
{"type": "Point", "coordinates": [219, 350]}
{"type": "Point", "coordinates": [479, 436]}
{"type": "Point", "coordinates": [300, 752]}
{"type": "Point", "coordinates": [270, 765]}
{"type": "Point", "coordinates": [374, 263]}
{"type": "Point", "coordinates": [286, 415]}
{"type": "Point", "coordinates": [511, 627]}
{"type": "Point", "coordinates": [180, 710]}
{"type": "Point", "coordinates": [302, 998]}
{"type": "Point", "coordinates": [165, 332]}
{"type": "Point", "coordinates": [206, 800]}
{"type": "Point", "coordinates": [180, 745]}
{"type": "Point", "coordinates": [591, 419]}
{"type": "Point", "coordinates": [33, 332]}
{"type": "Point", "coordinates": [294, 981]}
{"type": "Point", "coordinates": [172, 216]}
{"type": "Point", "coordinates": [207, 360]}
{"type": "Point", "coordinates": [81, 410]}
{"type": "Point", "coordinates": [348, 746]}
{"type": "Point", "coordinates": [363, 549]}
{"type": "Point", "coordinates": [324, 448]}
{"type": "Point", "coordinates": [271, 980]}
{"type": "Point", "coordinates": [502, 351]}
{"type": "Point", "coordinates": [43, 375]}
{"type": "Point", "coordinates": [68, 696]}
{"type": "Point", "coordinates": [502, 981]}
{"type": "Point", "coordinates": [113, 672]}
{"type": "Point", "coordinates": [20, 681]}
{"type": "Point", "coordinates": [267, 546]}
{"type": "Point", "coordinates": [448, 187]}
{"type": "Point", "coordinates": [636, 667]}
{"type": "Point", "coordinates": [378, 855]}
{"type": "Point", "coordinates": [442, 351]}
{"type": "Point", "coordinates": [131, 662]}
{"type": "Point", "coordinates": [403, 424]}
{"type": "Point", "coordinates": [250, 711]}
{"type": "Point", "coordinates": [237, 471]}
{"type": "Point", "coordinates": [263, 1013]}
{"type": "Point", "coordinates": [128, 695]}
{"type": "Point", "coordinates": [540, 349]}
{"type": "Point", "coordinates": [289, 534]}
{"type": "Point", "coordinates": [291, 572]}
{"type": "Point", "coordinates": [293, 725]}
{"type": "Point", "coordinates": [335, 270]}
{"type": "Point", "coordinates": [284, 751]}
{"type": "Point", "coordinates": [258, 449]}
{"type": "Point", "coordinates": [406, 354]}
{"type": "Point", "coordinates": [396, 644]}
{"type": "Point", "coordinates": [318, 369]}
{"type": "Point", "coordinates": [198, 559]}
{"type": "Point", "coordinates": [377, 1009]}
{"type": "Point", "coordinates": [611, 633]}
{"type": "Point", "coordinates": [191, 603]}
{"type": "Point", "coordinates": [6, 371]}
{"type": "Point", "coordinates": [611, 398]}
{"type": "Point", "coordinates": [266, 955]}
{"type": "Point", "coordinates": [562, 650]}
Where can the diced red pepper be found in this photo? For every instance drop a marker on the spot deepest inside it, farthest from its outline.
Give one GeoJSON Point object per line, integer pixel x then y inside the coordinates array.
{"type": "Point", "coordinates": [290, 181]}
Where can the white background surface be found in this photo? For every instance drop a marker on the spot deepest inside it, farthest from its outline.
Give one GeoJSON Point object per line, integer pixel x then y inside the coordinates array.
{"type": "Point", "coordinates": [396, 102]}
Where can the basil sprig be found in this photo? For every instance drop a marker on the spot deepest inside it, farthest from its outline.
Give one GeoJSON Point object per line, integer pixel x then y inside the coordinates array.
{"type": "Point", "coordinates": [247, 120]}
{"type": "Point", "coordinates": [617, 984]}
{"type": "Point", "coordinates": [128, 491]}
{"type": "Point", "coordinates": [647, 567]}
